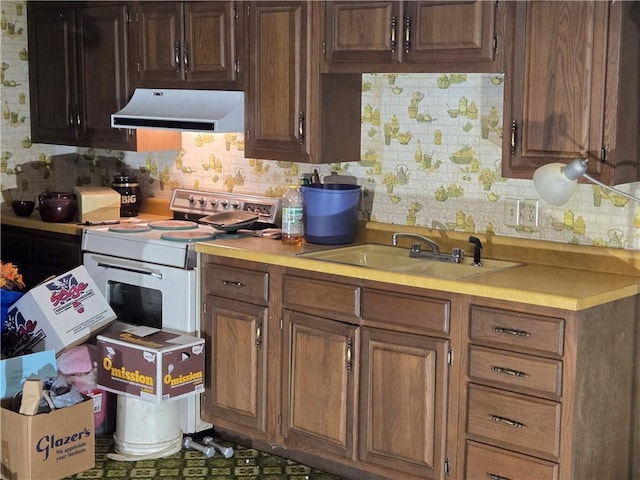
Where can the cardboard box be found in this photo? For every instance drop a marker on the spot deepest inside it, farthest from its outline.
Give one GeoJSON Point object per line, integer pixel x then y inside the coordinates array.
{"type": "Point", "coordinates": [97, 204]}
{"type": "Point", "coordinates": [47, 446]}
{"type": "Point", "coordinates": [150, 364]}
{"type": "Point", "coordinates": [57, 314]}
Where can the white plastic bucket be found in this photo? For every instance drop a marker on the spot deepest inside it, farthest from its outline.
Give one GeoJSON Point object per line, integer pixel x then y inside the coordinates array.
{"type": "Point", "coordinates": [144, 429]}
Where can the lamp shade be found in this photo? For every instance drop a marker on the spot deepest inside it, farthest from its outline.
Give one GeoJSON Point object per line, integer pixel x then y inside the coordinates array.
{"type": "Point", "coordinates": [553, 185]}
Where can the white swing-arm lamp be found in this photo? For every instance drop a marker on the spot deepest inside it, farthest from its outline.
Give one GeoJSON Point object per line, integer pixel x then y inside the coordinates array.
{"type": "Point", "coordinates": [557, 182]}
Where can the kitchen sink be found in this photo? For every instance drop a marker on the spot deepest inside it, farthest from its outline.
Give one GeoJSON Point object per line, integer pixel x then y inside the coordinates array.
{"type": "Point", "coordinates": [396, 259]}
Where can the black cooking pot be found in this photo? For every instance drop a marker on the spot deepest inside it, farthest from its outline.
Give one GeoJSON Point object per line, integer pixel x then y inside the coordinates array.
{"type": "Point", "coordinates": [57, 207]}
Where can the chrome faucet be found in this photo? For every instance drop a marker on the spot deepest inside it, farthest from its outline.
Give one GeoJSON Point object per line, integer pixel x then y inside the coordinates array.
{"type": "Point", "coordinates": [416, 251]}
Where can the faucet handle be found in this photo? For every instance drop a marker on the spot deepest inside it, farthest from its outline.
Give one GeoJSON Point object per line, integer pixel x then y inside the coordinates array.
{"type": "Point", "coordinates": [415, 247]}
{"type": "Point", "coordinates": [457, 254]}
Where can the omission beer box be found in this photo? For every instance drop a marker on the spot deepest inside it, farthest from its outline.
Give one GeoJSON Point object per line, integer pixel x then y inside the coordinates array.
{"type": "Point", "coordinates": [150, 364]}
{"type": "Point", "coordinates": [47, 446]}
{"type": "Point", "coordinates": [58, 313]}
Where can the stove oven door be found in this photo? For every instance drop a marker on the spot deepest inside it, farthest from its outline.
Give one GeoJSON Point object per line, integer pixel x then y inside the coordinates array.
{"type": "Point", "coordinates": [147, 294]}
{"type": "Point", "coordinates": [152, 295]}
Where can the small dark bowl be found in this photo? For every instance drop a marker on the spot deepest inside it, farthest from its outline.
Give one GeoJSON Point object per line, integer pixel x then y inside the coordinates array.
{"type": "Point", "coordinates": [23, 208]}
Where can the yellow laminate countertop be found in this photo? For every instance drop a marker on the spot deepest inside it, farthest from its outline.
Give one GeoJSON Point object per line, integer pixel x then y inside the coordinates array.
{"type": "Point", "coordinates": [533, 284]}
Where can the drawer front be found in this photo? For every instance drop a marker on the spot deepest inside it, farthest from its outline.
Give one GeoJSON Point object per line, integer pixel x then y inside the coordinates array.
{"type": "Point", "coordinates": [427, 315]}
{"type": "Point", "coordinates": [237, 283]}
{"type": "Point", "coordinates": [488, 463]}
{"type": "Point", "coordinates": [338, 300]}
{"type": "Point", "coordinates": [517, 371]}
{"type": "Point", "coordinates": [516, 330]}
{"type": "Point", "coordinates": [518, 421]}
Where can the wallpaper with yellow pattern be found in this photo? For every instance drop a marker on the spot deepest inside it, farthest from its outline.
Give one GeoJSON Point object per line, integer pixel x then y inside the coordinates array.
{"type": "Point", "coordinates": [430, 156]}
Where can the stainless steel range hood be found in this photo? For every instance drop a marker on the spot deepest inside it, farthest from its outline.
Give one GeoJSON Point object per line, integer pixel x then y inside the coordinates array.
{"type": "Point", "coordinates": [215, 111]}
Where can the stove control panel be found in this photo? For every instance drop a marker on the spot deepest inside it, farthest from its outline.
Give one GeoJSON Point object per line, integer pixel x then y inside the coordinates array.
{"type": "Point", "coordinates": [195, 202]}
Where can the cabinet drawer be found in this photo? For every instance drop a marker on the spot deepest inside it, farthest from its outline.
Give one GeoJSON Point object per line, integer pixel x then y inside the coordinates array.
{"type": "Point", "coordinates": [484, 462]}
{"type": "Point", "coordinates": [237, 283]}
{"type": "Point", "coordinates": [517, 330]}
{"type": "Point", "coordinates": [340, 300]}
{"type": "Point", "coordinates": [427, 315]}
{"type": "Point", "coordinates": [517, 371]}
{"type": "Point", "coordinates": [517, 421]}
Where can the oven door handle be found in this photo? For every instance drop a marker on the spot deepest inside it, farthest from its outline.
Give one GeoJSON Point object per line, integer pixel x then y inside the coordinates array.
{"type": "Point", "coordinates": [130, 269]}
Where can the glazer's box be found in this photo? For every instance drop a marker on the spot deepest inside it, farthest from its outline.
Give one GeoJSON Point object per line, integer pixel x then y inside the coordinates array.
{"type": "Point", "coordinates": [59, 313]}
{"type": "Point", "coordinates": [48, 445]}
{"type": "Point", "coordinates": [150, 364]}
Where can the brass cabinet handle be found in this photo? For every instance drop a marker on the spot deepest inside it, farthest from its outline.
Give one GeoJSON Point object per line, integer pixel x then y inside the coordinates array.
{"type": "Point", "coordinates": [407, 34]}
{"type": "Point", "coordinates": [348, 362]}
{"type": "Point", "coordinates": [394, 33]}
{"type": "Point", "coordinates": [507, 421]}
{"type": "Point", "coordinates": [511, 331]}
{"type": "Point", "coordinates": [258, 335]}
{"type": "Point", "coordinates": [301, 127]}
{"type": "Point", "coordinates": [185, 59]}
{"type": "Point", "coordinates": [509, 371]}
{"type": "Point", "coordinates": [514, 136]}
{"type": "Point", "coordinates": [231, 283]}
{"type": "Point", "coordinates": [176, 55]}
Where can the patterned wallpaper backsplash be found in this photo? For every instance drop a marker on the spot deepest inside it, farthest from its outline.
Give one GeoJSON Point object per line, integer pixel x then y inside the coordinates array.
{"type": "Point", "coordinates": [430, 156]}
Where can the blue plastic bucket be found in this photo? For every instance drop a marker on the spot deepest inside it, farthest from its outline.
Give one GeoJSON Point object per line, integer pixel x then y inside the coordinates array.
{"type": "Point", "coordinates": [330, 213]}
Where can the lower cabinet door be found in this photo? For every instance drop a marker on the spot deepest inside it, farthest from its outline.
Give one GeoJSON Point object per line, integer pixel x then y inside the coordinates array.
{"type": "Point", "coordinates": [403, 394]}
{"type": "Point", "coordinates": [319, 388]}
{"type": "Point", "coordinates": [236, 360]}
{"type": "Point", "coordinates": [495, 464]}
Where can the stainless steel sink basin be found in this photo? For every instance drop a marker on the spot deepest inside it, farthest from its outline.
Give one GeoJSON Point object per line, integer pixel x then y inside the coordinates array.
{"type": "Point", "coordinates": [396, 259]}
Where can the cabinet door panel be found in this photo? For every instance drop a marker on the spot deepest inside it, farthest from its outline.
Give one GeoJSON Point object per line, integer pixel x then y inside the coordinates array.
{"type": "Point", "coordinates": [52, 74]}
{"type": "Point", "coordinates": [319, 371]}
{"type": "Point", "coordinates": [159, 43]}
{"type": "Point", "coordinates": [403, 387]}
{"type": "Point", "coordinates": [209, 40]}
{"type": "Point", "coordinates": [363, 31]}
{"type": "Point", "coordinates": [236, 361]}
{"type": "Point", "coordinates": [103, 73]}
{"type": "Point", "coordinates": [558, 81]}
{"type": "Point", "coordinates": [445, 31]}
{"type": "Point", "coordinates": [276, 93]}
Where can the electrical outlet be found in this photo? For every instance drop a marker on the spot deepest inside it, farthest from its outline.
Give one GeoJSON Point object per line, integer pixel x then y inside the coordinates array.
{"type": "Point", "coordinates": [512, 212]}
{"type": "Point", "coordinates": [530, 212]}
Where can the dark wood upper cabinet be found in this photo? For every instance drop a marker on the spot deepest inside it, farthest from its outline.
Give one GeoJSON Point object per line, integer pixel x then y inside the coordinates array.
{"type": "Point", "coordinates": [413, 36]}
{"type": "Point", "coordinates": [293, 112]}
{"type": "Point", "coordinates": [78, 72]}
{"type": "Point", "coordinates": [188, 45]}
{"type": "Point", "coordinates": [572, 89]}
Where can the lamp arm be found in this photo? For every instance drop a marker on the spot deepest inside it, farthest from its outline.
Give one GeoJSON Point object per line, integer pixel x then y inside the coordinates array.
{"type": "Point", "coordinates": [619, 192]}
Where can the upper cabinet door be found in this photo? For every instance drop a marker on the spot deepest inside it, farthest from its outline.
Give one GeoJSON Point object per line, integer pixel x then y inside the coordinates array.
{"type": "Point", "coordinates": [103, 74]}
{"type": "Point", "coordinates": [277, 85]}
{"type": "Point", "coordinates": [449, 32]}
{"type": "Point", "coordinates": [52, 74]}
{"type": "Point", "coordinates": [413, 36]}
{"type": "Point", "coordinates": [564, 97]}
{"type": "Point", "coordinates": [159, 37]}
{"type": "Point", "coordinates": [188, 45]}
{"type": "Point", "coordinates": [363, 32]}
{"type": "Point", "coordinates": [211, 35]}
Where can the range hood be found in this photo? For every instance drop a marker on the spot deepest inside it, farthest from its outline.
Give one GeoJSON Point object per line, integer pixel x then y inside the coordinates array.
{"type": "Point", "coordinates": [216, 111]}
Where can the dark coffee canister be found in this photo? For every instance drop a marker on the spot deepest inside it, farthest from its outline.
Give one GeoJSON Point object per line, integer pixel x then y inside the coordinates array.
{"type": "Point", "coordinates": [130, 195]}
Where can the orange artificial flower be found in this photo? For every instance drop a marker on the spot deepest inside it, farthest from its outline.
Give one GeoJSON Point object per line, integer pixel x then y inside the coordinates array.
{"type": "Point", "coordinates": [10, 279]}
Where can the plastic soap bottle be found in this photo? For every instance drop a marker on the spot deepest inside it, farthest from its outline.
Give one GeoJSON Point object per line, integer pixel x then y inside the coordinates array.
{"type": "Point", "coordinates": [292, 230]}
